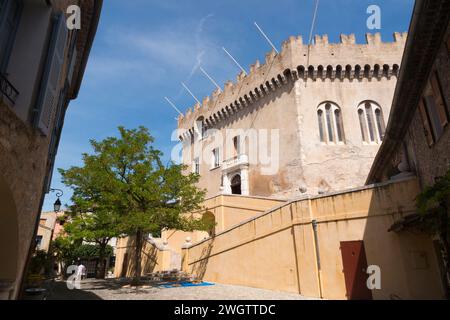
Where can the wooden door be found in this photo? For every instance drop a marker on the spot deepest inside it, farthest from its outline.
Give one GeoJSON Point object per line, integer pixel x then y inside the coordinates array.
{"type": "Point", "coordinates": [355, 270]}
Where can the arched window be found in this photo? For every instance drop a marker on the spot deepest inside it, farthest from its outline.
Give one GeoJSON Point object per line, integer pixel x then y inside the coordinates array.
{"type": "Point", "coordinates": [209, 219]}
{"type": "Point", "coordinates": [236, 185]}
{"type": "Point", "coordinates": [331, 128]}
{"type": "Point", "coordinates": [371, 122]}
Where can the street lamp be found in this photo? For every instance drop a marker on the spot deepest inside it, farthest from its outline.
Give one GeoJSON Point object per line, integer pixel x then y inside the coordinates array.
{"type": "Point", "coordinates": [57, 204]}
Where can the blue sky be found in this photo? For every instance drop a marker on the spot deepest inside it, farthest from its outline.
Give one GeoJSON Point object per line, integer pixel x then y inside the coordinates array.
{"type": "Point", "coordinates": [145, 48]}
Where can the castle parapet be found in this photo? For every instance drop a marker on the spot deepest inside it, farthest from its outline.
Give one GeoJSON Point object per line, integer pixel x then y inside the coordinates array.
{"type": "Point", "coordinates": [323, 61]}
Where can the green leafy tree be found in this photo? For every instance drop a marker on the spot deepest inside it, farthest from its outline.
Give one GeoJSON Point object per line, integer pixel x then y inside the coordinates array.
{"type": "Point", "coordinates": [63, 250]}
{"type": "Point", "coordinates": [434, 204]}
{"type": "Point", "coordinates": [97, 227]}
{"type": "Point", "coordinates": [126, 181]}
{"type": "Point", "coordinates": [90, 217]}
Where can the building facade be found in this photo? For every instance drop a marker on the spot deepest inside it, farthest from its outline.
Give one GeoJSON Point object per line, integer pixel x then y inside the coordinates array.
{"type": "Point", "coordinates": [417, 140]}
{"type": "Point", "coordinates": [327, 245]}
{"type": "Point", "coordinates": [308, 121]}
{"type": "Point", "coordinates": [41, 68]}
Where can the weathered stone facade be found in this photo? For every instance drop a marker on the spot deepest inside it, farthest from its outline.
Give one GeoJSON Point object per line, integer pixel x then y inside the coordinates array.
{"type": "Point", "coordinates": [412, 147]}
{"type": "Point", "coordinates": [26, 151]}
{"type": "Point", "coordinates": [285, 97]}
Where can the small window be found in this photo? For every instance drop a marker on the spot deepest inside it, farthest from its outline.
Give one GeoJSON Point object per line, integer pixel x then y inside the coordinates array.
{"type": "Point", "coordinates": [371, 122]}
{"type": "Point", "coordinates": [436, 112]}
{"type": "Point", "coordinates": [237, 145]}
{"type": "Point", "coordinates": [38, 242]}
{"type": "Point", "coordinates": [236, 187]}
{"type": "Point", "coordinates": [201, 128]}
{"type": "Point", "coordinates": [196, 166]}
{"type": "Point", "coordinates": [426, 123]}
{"type": "Point", "coordinates": [216, 158]}
{"type": "Point", "coordinates": [331, 129]}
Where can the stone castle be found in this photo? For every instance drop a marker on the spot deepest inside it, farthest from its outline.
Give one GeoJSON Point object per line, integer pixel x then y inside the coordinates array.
{"type": "Point", "coordinates": [327, 104]}
{"type": "Point", "coordinates": [340, 204]}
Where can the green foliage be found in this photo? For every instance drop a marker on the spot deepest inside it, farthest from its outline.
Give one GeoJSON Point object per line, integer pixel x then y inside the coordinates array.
{"type": "Point", "coordinates": [69, 251]}
{"type": "Point", "coordinates": [126, 189]}
{"type": "Point", "coordinates": [40, 262]}
{"type": "Point", "coordinates": [91, 251]}
{"type": "Point", "coordinates": [63, 249]}
{"type": "Point", "coordinates": [433, 197]}
{"type": "Point", "coordinates": [433, 203]}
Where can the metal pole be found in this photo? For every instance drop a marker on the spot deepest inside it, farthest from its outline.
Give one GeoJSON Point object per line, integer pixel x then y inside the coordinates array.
{"type": "Point", "coordinates": [210, 78]}
{"type": "Point", "coordinates": [267, 38]}
{"type": "Point", "coordinates": [234, 60]}
{"type": "Point", "coordinates": [173, 106]}
{"type": "Point", "coordinates": [190, 92]}
{"type": "Point", "coordinates": [316, 245]}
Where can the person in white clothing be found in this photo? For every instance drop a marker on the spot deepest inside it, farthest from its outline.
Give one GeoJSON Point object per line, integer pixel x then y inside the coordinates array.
{"type": "Point", "coordinates": [81, 272]}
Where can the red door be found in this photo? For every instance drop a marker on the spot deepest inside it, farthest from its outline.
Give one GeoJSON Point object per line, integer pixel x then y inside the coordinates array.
{"type": "Point", "coordinates": [355, 266]}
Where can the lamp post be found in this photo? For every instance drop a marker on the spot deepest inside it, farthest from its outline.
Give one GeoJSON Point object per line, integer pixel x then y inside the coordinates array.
{"type": "Point", "coordinates": [57, 204]}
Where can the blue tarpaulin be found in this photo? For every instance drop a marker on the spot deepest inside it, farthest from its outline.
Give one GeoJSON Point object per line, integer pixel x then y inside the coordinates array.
{"type": "Point", "coordinates": [186, 284]}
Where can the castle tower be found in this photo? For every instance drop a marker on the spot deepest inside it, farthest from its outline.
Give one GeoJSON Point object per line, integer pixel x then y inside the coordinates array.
{"type": "Point", "coordinates": [307, 121]}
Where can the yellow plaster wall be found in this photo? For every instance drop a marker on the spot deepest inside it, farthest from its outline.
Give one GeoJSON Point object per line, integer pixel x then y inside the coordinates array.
{"type": "Point", "coordinates": [277, 250]}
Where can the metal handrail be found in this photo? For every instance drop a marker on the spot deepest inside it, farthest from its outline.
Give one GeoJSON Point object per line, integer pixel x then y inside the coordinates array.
{"type": "Point", "coordinates": [8, 90]}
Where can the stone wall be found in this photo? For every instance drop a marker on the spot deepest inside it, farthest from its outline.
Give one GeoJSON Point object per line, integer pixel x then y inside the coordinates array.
{"type": "Point", "coordinates": [425, 161]}
{"type": "Point", "coordinates": [277, 250]}
{"type": "Point", "coordinates": [155, 257]}
{"type": "Point", "coordinates": [25, 160]}
{"type": "Point", "coordinates": [283, 95]}
{"type": "Point", "coordinates": [227, 211]}
{"type": "Point", "coordinates": [23, 164]}
{"type": "Point", "coordinates": [434, 161]}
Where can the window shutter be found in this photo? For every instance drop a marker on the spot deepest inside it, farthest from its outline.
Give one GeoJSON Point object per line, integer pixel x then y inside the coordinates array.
{"type": "Point", "coordinates": [49, 95]}
{"type": "Point", "coordinates": [56, 136]}
{"type": "Point", "coordinates": [72, 66]}
{"type": "Point", "coordinates": [10, 12]}
{"type": "Point", "coordinates": [426, 124]}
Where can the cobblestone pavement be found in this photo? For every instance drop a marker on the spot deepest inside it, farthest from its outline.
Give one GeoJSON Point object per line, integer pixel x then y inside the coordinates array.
{"type": "Point", "coordinates": [115, 290]}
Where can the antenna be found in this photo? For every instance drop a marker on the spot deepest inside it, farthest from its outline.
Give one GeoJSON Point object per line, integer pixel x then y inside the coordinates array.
{"type": "Point", "coordinates": [234, 60]}
{"type": "Point", "coordinates": [313, 23]}
{"type": "Point", "coordinates": [210, 78]}
{"type": "Point", "coordinates": [190, 92]}
{"type": "Point", "coordinates": [173, 106]}
{"type": "Point", "coordinates": [312, 27]}
{"type": "Point", "coordinates": [267, 38]}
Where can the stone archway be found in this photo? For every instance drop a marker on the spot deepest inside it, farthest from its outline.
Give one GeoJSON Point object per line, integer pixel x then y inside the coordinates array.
{"type": "Point", "coordinates": [8, 241]}
{"type": "Point", "coordinates": [236, 186]}
{"type": "Point", "coordinates": [210, 218]}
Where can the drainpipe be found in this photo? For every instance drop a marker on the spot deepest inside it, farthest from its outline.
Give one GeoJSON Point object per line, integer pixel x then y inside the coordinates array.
{"type": "Point", "coordinates": [316, 247]}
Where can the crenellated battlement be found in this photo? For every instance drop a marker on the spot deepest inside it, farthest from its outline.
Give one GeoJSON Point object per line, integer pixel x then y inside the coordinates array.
{"type": "Point", "coordinates": [297, 61]}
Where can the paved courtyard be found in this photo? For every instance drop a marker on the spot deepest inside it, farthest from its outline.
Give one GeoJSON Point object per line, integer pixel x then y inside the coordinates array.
{"type": "Point", "coordinates": [115, 290]}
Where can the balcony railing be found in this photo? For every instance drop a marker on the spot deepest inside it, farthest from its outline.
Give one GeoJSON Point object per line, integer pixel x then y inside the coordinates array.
{"type": "Point", "coordinates": [8, 90]}
{"type": "Point", "coordinates": [235, 162]}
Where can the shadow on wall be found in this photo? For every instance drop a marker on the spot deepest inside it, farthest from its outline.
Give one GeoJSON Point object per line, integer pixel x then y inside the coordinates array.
{"type": "Point", "coordinates": [412, 251]}
{"type": "Point", "coordinates": [199, 269]}
{"type": "Point", "coordinates": [8, 242]}
{"type": "Point", "coordinates": [149, 258]}
{"type": "Point", "coordinates": [324, 247]}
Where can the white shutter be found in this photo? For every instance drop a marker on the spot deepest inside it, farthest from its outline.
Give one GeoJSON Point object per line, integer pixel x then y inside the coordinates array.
{"type": "Point", "coordinates": [49, 95]}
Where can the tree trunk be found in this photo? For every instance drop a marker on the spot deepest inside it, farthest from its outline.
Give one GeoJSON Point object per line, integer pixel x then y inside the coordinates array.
{"type": "Point", "coordinates": [100, 268]}
{"type": "Point", "coordinates": [137, 258]}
